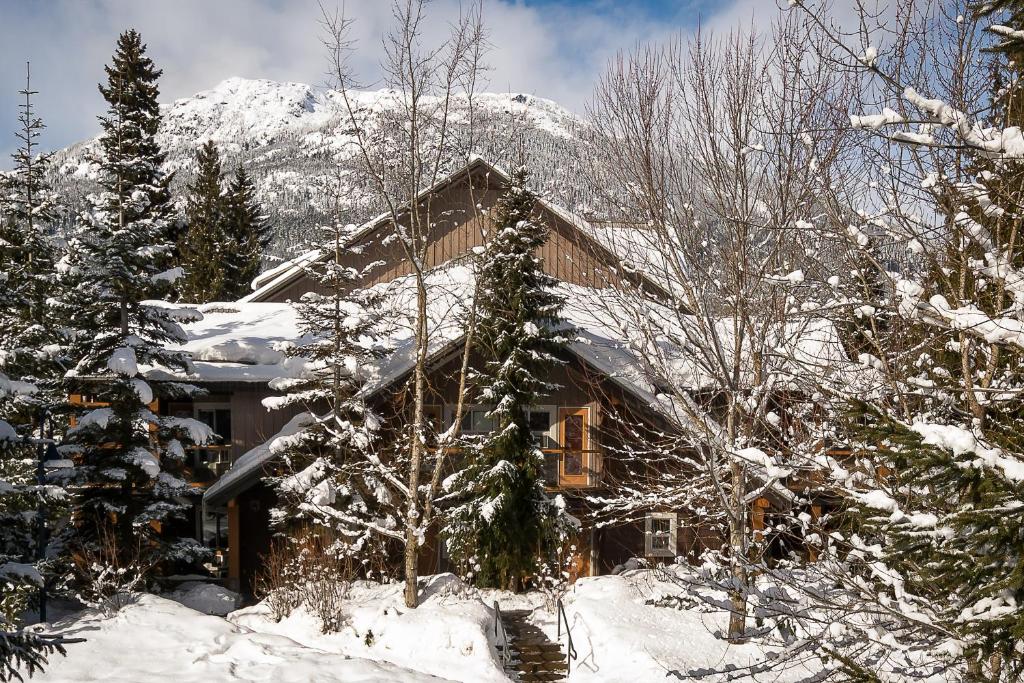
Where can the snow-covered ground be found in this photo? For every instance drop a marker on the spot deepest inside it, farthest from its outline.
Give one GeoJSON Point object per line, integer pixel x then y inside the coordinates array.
{"type": "Point", "coordinates": [620, 633]}
{"type": "Point", "coordinates": [624, 628]}
{"type": "Point", "coordinates": [157, 639]}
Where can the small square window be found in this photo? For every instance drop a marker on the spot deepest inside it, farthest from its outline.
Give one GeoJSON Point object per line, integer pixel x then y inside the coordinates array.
{"type": "Point", "coordinates": [660, 534]}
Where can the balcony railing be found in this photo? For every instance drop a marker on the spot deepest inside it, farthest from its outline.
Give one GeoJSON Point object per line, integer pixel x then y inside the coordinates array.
{"type": "Point", "coordinates": [214, 459]}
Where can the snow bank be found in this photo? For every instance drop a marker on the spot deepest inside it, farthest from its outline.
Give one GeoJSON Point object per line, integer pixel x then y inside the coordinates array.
{"type": "Point", "coordinates": [155, 640]}
{"type": "Point", "coordinates": [448, 635]}
{"type": "Point", "coordinates": [619, 637]}
{"type": "Point", "coordinates": [207, 598]}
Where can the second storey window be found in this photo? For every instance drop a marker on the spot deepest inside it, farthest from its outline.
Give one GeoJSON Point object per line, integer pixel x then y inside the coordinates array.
{"type": "Point", "coordinates": [476, 420]}
{"type": "Point", "coordinates": [543, 422]}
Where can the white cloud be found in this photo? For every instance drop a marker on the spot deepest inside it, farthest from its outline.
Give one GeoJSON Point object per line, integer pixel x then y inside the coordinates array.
{"type": "Point", "coordinates": [550, 50]}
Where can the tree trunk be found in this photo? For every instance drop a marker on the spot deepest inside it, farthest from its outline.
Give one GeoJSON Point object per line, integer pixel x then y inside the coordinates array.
{"type": "Point", "coordinates": [413, 521]}
{"type": "Point", "coordinates": [738, 550]}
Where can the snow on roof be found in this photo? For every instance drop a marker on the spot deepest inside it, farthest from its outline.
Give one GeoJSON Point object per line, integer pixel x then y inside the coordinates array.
{"type": "Point", "coordinates": [239, 342]}
{"type": "Point", "coordinates": [269, 277]}
{"type": "Point", "coordinates": [251, 464]}
{"type": "Point", "coordinates": [234, 333]}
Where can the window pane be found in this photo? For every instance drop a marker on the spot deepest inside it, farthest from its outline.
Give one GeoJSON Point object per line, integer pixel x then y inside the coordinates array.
{"type": "Point", "coordinates": [476, 421]}
{"type": "Point", "coordinates": [573, 432]}
{"type": "Point", "coordinates": [540, 428]}
{"type": "Point", "coordinates": [224, 424]}
{"type": "Point", "coordinates": [540, 421]}
{"type": "Point", "coordinates": [661, 533]}
{"type": "Point", "coordinates": [551, 469]}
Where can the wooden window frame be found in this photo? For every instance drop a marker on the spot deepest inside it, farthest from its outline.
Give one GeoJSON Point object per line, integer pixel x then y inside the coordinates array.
{"type": "Point", "coordinates": [585, 477]}
{"type": "Point", "coordinates": [673, 534]}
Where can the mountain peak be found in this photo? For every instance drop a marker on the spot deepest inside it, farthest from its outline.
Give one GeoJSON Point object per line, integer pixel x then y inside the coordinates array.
{"type": "Point", "coordinates": [292, 137]}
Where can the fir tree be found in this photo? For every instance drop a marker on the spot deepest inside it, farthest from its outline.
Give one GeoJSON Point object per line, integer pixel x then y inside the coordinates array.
{"type": "Point", "coordinates": [206, 250]}
{"type": "Point", "coordinates": [504, 520]}
{"type": "Point", "coordinates": [129, 459]}
{"type": "Point", "coordinates": [31, 338]}
{"type": "Point", "coordinates": [941, 447]}
{"type": "Point", "coordinates": [326, 481]}
{"type": "Point", "coordinates": [249, 234]}
{"type": "Point", "coordinates": [32, 352]}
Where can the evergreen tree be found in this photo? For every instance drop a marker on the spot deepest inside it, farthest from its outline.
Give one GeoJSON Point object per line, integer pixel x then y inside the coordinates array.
{"type": "Point", "coordinates": [931, 546]}
{"type": "Point", "coordinates": [32, 352]}
{"type": "Point", "coordinates": [129, 458]}
{"type": "Point", "coordinates": [31, 337]}
{"type": "Point", "coordinates": [249, 234]}
{"type": "Point", "coordinates": [327, 480]}
{"type": "Point", "coordinates": [504, 520]}
{"type": "Point", "coordinates": [206, 250]}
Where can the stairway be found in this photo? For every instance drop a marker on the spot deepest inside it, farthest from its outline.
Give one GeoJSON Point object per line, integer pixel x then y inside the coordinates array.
{"type": "Point", "coordinates": [532, 656]}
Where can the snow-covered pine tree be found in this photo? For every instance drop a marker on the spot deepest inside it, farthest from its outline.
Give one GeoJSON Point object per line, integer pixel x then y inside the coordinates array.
{"type": "Point", "coordinates": [32, 341]}
{"type": "Point", "coordinates": [19, 577]}
{"type": "Point", "coordinates": [249, 233]}
{"type": "Point", "coordinates": [329, 474]}
{"type": "Point", "coordinates": [21, 573]}
{"type": "Point", "coordinates": [130, 460]}
{"type": "Point", "coordinates": [25, 652]}
{"type": "Point", "coordinates": [206, 250]}
{"type": "Point", "coordinates": [32, 352]}
{"type": "Point", "coordinates": [502, 520]}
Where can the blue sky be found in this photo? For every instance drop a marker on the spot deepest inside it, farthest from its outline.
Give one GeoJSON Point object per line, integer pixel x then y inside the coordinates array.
{"type": "Point", "coordinates": [550, 48]}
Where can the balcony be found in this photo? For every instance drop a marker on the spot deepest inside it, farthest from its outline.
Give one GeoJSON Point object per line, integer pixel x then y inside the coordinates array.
{"type": "Point", "coordinates": [209, 463]}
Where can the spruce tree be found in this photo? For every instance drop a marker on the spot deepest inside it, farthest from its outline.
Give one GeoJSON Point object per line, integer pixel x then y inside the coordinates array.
{"type": "Point", "coordinates": [32, 353]}
{"type": "Point", "coordinates": [328, 480]}
{"type": "Point", "coordinates": [504, 521]}
{"type": "Point", "coordinates": [248, 232]}
{"type": "Point", "coordinates": [31, 336]}
{"type": "Point", "coordinates": [937, 470]}
{"type": "Point", "coordinates": [21, 573]}
{"type": "Point", "coordinates": [130, 459]}
{"type": "Point", "coordinates": [206, 250]}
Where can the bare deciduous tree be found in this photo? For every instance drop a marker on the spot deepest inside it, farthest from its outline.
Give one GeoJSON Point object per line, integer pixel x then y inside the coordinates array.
{"type": "Point", "coordinates": [712, 156]}
{"type": "Point", "coordinates": [402, 161]}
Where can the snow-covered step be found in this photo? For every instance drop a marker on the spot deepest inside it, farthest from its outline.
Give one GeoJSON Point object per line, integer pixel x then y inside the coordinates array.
{"type": "Point", "coordinates": [534, 657]}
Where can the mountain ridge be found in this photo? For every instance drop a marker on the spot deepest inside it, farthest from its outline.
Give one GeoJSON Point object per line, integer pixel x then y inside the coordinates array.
{"type": "Point", "coordinates": [291, 137]}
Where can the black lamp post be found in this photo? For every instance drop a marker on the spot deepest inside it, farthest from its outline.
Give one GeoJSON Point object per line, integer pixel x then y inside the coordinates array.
{"type": "Point", "coordinates": [46, 451]}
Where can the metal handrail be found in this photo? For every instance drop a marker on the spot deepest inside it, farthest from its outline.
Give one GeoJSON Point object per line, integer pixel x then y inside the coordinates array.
{"type": "Point", "coordinates": [570, 650]}
{"type": "Point", "coordinates": [506, 657]}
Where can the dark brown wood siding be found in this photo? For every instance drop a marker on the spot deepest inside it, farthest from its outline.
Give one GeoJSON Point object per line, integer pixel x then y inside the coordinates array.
{"type": "Point", "coordinates": [253, 424]}
{"type": "Point", "coordinates": [462, 218]}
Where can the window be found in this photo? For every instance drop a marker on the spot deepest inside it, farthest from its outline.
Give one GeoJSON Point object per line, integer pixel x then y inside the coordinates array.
{"type": "Point", "coordinates": [576, 468]}
{"type": "Point", "coordinates": [477, 421]}
{"type": "Point", "coordinates": [543, 427]}
{"type": "Point", "coordinates": [573, 443]}
{"type": "Point", "coordinates": [213, 459]}
{"type": "Point", "coordinates": [660, 534]}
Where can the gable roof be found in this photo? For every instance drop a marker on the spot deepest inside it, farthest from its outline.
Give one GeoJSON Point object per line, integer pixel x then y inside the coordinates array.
{"type": "Point", "coordinates": [277, 279]}
{"type": "Point", "coordinates": [598, 346]}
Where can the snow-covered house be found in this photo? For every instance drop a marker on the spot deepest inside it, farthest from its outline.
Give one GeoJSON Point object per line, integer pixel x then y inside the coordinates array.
{"type": "Point", "coordinates": [237, 351]}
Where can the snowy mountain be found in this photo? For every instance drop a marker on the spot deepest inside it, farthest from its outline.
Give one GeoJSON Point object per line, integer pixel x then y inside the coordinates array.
{"type": "Point", "coordinates": [287, 134]}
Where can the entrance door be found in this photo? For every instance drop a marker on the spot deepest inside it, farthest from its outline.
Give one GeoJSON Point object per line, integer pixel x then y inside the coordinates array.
{"type": "Point", "coordinates": [574, 469]}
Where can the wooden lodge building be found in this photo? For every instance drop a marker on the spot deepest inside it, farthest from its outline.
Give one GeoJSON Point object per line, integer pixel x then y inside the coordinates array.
{"type": "Point", "coordinates": [236, 351]}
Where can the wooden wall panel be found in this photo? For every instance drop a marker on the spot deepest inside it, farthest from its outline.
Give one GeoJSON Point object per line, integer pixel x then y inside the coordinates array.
{"type": "Point", "coordinates": [251, 423]}
{"type": "Point", "coordinates": [461, 213]}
